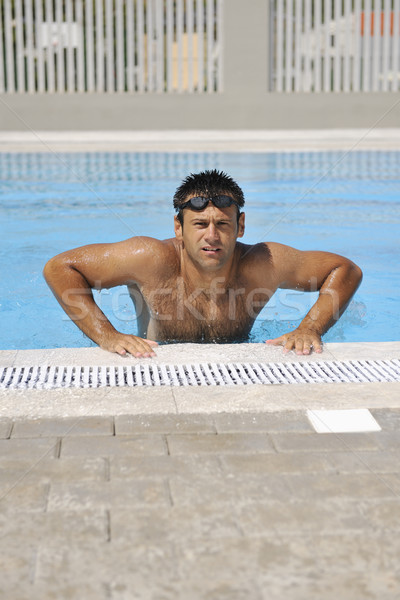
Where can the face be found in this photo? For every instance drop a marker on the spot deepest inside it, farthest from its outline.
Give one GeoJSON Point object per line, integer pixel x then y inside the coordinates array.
{"type": "Point", "coordinates": [209, 236]}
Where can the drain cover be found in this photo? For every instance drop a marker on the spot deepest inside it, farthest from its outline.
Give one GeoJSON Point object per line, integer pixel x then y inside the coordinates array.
{"type": "Point", "coordinates": [207, 374]}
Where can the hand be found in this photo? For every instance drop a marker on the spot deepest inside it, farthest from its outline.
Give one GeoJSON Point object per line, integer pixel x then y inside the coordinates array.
{"type": "Point", "coordinates": [301, 340]}
{"type": "Point", "coordinates": [122, 344]}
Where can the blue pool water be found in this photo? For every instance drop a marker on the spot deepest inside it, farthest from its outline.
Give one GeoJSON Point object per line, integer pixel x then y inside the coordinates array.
{"type": "Point", "coordinates": [343, 203]}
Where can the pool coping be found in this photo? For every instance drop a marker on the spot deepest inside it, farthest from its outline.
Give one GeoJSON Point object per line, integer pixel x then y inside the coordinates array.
{"type": "Point", "coordinates": [346, 140]}
{"type": "Point", "coordinates": [106, 401]}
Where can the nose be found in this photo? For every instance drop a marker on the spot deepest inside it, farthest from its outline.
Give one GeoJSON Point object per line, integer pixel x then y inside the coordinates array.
{"type": "Point", "coordinates": [212, 233]}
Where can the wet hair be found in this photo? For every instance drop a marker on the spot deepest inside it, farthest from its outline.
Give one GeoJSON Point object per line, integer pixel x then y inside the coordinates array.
{"type": "Point", "coordinates": [207, 184]}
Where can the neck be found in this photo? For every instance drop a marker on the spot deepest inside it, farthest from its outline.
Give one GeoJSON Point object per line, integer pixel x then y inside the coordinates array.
{"type": "Point", "coordinates": [204, 279]}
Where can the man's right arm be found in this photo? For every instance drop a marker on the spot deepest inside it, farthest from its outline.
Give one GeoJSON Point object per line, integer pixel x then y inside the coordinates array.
{"type": "Point", "coordinates": [72, 275]}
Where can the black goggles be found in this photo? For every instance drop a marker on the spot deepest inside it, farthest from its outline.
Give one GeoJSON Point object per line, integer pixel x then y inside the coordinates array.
{"type": "Point", "coordinates": [199, 202]}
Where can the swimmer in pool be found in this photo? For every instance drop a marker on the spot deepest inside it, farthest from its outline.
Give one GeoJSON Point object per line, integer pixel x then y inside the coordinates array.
{"type": "Point", "coordinates": [203, 285]}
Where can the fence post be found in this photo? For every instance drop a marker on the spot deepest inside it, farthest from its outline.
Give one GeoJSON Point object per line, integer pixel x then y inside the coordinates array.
{"type": "Point", "coordinates": [246, 47]}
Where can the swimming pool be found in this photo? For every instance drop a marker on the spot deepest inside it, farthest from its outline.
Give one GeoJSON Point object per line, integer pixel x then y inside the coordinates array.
{"type": "Point", "coordinates": [344, 203]}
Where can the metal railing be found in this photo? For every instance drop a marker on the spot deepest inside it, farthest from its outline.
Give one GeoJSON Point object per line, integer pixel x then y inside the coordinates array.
{"type": "Point", "coordinates": [68, 46]}
{"type": "Point", "coordinates": [336, 45]}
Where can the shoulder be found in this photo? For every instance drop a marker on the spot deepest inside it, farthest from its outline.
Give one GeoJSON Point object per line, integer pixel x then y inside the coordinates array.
{"type": "Point", "coordinates": [254, 253]}
{"type": "Point", "coordinates": [153, 252]}
{"type": "Point", "coordinates": [138, 259]}
{"type": "Point", "coordinates": [255, 264]}
{"type": "Point", "coordinates": [147, 247]}
{"type": "Point", "coordinates": [266, 263]}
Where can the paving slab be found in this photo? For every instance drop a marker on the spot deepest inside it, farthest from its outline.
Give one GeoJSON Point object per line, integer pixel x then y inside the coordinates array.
{"type": "Point", "coordinates": [382, 515]}
{"type": "Point", "coordinates": [67, 427]}
{"type": "Point", "coordinates": [29, 470]}
{"type": "Point", "coordinates": [287, 566]}
{"type": "Point", "coordinates": [54, 526]}
{"type": "Point", "coordinates": [334, 557]}
{"type": "Point", "coordinates": [305, 442]}
{"type": "Point", "coordinates": [5, 428]}
{"type": "Point", "coordinates": [142, 445]}
{"type": "Point", "coordinates": [260, 464]}
{"type": "Point", "coordinates": [35, 449]}
{"type": "Point", "coordinates": [228, 491]}
{"type": "Point", "coordinates": [388, 419]}
{"type": "Point", "coordinates": [17, 565]}
{"type": "Point", "coordinates": [379, 461]}
{"type": "Point", "coordinates": [114, 570]}
{"type": "Point", "coordinates": [78, 496]}
{"type": "Point", "coordinates": [171, 524]}
{"type": "Point", "coordinates": [224, 443]}
{"type": "Point", "coordinates": [129, 424]}
{"type": "Point", "coordinates": [388, 440]}
{"type": "Point", "coordinates": [301, 517]}
{"type": "Point", "coordinates": [130, 468]}
{"type": "Point", "coordinates": [257, 422]}
{"type": "Point", "coordinates": [343, 485]}
{"type": "Point", "coordinates": [323, 566]}
{"type": "Point", "coordinates": [22, 495]}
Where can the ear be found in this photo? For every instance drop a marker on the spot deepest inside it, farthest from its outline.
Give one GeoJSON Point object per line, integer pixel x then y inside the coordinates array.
{"type": "Point", "coordinates": [178, 228]}
{"type": "Point", "coordinates": [241, 225]}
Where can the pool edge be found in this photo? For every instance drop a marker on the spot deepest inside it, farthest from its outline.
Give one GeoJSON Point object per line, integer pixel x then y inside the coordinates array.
{"type": "Point", "coordinates": [75, 402]}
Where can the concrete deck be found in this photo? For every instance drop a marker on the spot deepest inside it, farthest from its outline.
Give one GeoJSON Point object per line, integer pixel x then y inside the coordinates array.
{"type": "Point", "coordinates": [193, 493]}
{"type": "Point", "coordinates": [346, 140]}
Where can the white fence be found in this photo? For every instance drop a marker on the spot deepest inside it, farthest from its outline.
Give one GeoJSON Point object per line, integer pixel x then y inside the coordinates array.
{"type": "Point", "coordinates": [67, 46]}
{"type": "Point", "coordinates": [335, 45]}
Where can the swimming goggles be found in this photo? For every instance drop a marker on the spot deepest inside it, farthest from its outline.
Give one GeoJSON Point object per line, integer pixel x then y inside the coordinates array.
{"type": "Point", "coordinates": [200, 202]}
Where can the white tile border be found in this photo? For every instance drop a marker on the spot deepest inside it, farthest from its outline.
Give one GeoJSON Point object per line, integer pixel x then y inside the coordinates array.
{"type": "Point", "coordinates": [342, 421]}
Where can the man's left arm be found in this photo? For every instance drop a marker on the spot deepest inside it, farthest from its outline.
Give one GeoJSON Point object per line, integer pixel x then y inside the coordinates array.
{"type": "Point", "coordinates": [335, 277]}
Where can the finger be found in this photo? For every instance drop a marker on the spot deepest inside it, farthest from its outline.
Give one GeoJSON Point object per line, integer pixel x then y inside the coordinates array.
{"type": "Point", "coordinates": [142, 345]}
{"type": "Point", "coordinates": [142, 353]}
{"type": "Point", "coordinates": [279, 341]}
{"type": "Point", "coordinates": [140, 348]}
{"type": "Point", "coordinates": [290, 345]}
{"type": "Point", "coordinates": [120, 350]}
{"type": "Point", "coordinates": [317, 345]}
{"type": "Point", "coordinates": [306, 346]}
{"type": "Point", "coordinates": [299, 345]}
{"type": "Point", "coordinates": [152, 342]}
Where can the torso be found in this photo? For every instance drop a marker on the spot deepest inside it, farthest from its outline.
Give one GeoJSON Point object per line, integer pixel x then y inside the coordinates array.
{"type": "Point", "coordinates": [168, 308]}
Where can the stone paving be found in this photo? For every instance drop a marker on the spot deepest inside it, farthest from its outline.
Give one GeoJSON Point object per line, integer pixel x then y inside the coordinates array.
{"type": "Point", "coordinates": [223, 506]}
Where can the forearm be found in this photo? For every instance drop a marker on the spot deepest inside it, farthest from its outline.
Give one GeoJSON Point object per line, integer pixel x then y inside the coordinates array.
{"type": "Point", "coordinates": [75, 296]}
{"type": "Point", "coordinates": [334, 297]}
{"type": "Point", "coordinates": [335, 277]}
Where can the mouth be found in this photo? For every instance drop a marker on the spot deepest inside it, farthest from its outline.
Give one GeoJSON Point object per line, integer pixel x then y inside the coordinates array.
{"type": "Point", "coordinates": [211, 250]}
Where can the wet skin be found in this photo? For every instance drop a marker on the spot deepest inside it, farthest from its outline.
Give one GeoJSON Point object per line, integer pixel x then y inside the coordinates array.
{"type": "Point", "coordinates": [188, 287]}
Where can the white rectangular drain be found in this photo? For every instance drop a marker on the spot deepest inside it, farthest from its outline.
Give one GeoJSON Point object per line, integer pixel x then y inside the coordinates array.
{"type": "Point", "coordinates": [207, 374]}
{"type": "Point", "coordinates": [342, 421]}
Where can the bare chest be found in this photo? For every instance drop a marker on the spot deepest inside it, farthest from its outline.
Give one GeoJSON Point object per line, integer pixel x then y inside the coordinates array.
{"type": "Point", "coordinates": [217, 314]}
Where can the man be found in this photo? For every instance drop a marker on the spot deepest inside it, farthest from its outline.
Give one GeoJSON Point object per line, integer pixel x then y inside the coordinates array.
{"type": "Point", "coordinates": [202, 285]}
